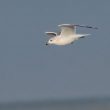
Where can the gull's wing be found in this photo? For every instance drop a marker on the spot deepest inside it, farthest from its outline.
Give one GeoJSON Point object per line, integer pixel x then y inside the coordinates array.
{"type": "Point", "coordinates": [51, 34]}
{"type": "Point", "coordinates": [85, 26]}
{"type": "Point", "coordinates": [70, 29]}
{"type": "Point", "coordinates": [67, 29]}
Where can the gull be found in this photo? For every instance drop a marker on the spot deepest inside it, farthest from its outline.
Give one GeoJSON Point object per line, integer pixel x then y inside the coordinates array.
{"type": "Point", "coordinates": [67, 34]}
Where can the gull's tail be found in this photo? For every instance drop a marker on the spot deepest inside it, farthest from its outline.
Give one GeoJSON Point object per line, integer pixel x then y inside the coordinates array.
{"type": "Point", "coordinates": [83, 35]}
{"type": "Point", "coordinates": [86, 34]}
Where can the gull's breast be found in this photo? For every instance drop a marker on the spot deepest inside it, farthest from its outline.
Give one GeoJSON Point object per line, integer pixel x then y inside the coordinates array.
{"type": "Point", "coordinates": [65, 40]}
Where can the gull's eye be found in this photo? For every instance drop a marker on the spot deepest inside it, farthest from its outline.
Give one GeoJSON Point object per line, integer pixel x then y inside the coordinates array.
{"type": "Point", "coordinates": [50, 40]}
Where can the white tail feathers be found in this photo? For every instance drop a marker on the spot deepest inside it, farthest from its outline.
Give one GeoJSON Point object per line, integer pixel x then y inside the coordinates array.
{"type": "Point", "coordinates": [83, 35]}
{"type": "Point", "coordinates": [86, 34]}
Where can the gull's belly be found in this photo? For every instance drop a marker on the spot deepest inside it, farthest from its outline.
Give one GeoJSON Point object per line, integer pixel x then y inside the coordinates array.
{"type": "Point", "coordinates": [65, 41]}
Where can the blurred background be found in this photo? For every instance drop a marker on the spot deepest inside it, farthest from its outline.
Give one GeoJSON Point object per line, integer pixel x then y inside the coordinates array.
{"type": "Point", "coordinates": [35, 76]}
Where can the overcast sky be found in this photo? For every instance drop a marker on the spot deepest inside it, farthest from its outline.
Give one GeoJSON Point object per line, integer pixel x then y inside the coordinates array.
{"type": "Point", "coordinates": [29, 70]}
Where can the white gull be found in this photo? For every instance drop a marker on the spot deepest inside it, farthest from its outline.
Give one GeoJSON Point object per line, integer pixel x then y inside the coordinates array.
{"type": "Point", "coordinates": [67, 35]}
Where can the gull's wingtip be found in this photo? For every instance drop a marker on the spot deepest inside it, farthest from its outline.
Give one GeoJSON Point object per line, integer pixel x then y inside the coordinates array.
{"type": "Point", "coordinates": [46, 32]}
{"type": "Point", "coordinates": [51, 33]}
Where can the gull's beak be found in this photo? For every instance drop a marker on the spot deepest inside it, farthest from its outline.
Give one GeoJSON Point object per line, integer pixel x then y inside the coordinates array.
{"type": "Point", "coordinates": [46, 44]}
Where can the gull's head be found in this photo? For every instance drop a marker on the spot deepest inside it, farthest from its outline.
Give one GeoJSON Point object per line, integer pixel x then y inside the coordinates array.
{"type": "Point", "coordinates": [51, 41]}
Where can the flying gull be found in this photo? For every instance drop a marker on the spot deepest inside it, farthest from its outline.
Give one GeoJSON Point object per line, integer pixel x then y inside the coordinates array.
{"type": "Point", "coordinates": [67, 34]}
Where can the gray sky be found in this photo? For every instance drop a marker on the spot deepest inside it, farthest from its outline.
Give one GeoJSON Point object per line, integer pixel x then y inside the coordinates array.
{"type": "Point", "coordinates": [29, 70]}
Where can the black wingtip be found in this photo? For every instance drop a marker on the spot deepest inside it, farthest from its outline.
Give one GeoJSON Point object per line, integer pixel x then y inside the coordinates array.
{"type": "Point", "coordinates": [92, 27]}
{"type": "Point", "coordinates": [86, 26]}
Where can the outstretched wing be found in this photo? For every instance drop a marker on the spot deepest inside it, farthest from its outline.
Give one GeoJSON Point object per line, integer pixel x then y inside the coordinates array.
{"type": "Point", "coordinates": [51, 34]}
{"type": "Point", "coordinates": [67, 29]}
{"type": "Point", "coordinates": [85, 26]}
